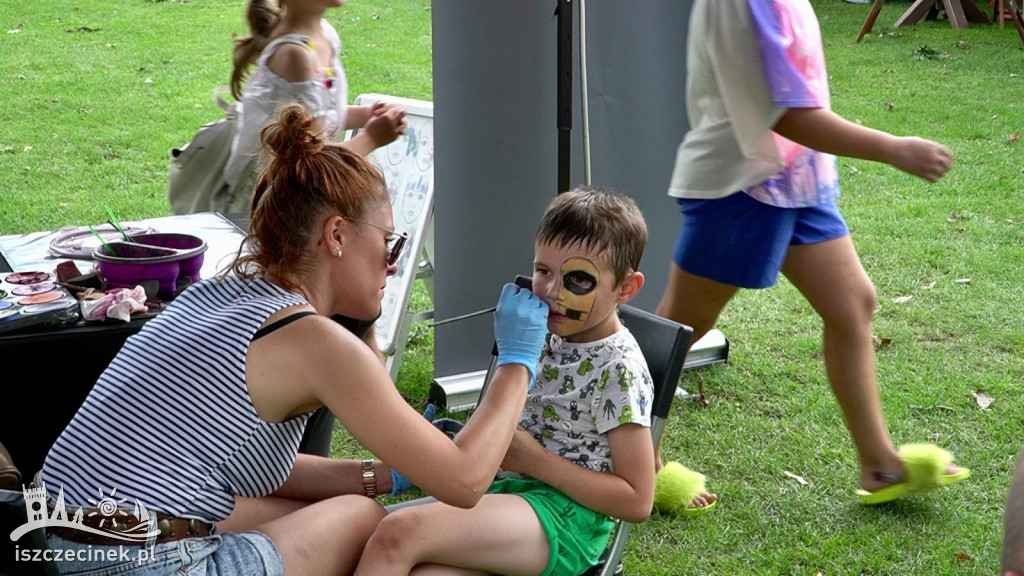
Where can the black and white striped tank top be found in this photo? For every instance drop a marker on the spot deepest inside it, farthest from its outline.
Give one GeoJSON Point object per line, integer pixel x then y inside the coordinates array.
{"type": "Point", "coordinates": [170, 422]}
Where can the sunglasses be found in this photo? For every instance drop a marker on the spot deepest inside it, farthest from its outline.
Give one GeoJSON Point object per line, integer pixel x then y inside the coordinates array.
{"type": "Point", "coordinates": [395, 241]}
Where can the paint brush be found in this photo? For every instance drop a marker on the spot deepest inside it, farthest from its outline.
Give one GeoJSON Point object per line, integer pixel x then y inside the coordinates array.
{"type": "Point", "coordinates": [105, 245]}
{"type": "Point", "coordinates": [464, 316]}
{"type": "Point", "coordinates": [113, 222]}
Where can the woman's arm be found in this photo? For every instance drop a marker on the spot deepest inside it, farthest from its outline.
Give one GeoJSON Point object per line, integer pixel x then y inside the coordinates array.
{"type": "Point", "coordinates": [316, 478]}
{"type": "Point", "coordinates": [627, 493]}
{"type": "Point", "coordinates": [457, 473]}
{"type": "Point", "coordinates": [316, 361]}
{"type": "Point", "coordinates": [326, 364]}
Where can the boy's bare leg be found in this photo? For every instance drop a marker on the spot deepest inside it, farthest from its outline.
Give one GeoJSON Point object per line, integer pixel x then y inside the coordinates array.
{"type": "Point", "coordinates": [501, 534]}
{"type": "Point", "coordinates": [829, 274]}
{"type": "Point", "coordinates": [325, 538]}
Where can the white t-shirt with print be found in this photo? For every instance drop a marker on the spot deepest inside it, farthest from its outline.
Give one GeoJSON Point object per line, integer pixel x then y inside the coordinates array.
{"type": "Point", "coordinates": [582, 391]}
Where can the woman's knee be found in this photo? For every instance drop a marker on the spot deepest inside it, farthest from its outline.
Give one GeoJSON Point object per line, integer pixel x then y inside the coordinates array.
{"type": "Point", "coordinates": [364, 512]}
{"type": "Point", "coordinates": [393, 534]}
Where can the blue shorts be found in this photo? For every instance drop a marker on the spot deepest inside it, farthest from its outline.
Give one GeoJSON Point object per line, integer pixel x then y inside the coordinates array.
{"type": "Point", "coordinates": [227, 554]}
{"type": "Point", "coordinates": [740, 241]}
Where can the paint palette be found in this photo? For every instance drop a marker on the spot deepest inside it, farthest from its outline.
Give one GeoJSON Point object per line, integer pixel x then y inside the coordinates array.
{"type": "Point", "coordinates": [31, 297]}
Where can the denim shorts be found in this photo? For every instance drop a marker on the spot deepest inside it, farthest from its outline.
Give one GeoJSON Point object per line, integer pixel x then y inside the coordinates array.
{"type": "Point", "coordinates": [228, 554]}
{"type": "Point", "coordinates": [742, 242]}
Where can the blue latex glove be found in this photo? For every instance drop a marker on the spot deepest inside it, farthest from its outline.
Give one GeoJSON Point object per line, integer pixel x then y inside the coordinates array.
{"type": "Point", "coordinates": [520, 326]}
{"type": "Point", "coordinates": [399, 483]}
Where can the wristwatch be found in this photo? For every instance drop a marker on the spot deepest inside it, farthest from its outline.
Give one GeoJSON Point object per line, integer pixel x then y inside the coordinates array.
{"type": "Point", "coordinates": [369, 478]}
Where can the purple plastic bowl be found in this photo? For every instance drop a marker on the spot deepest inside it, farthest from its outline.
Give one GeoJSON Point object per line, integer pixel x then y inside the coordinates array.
{"type": "Point", "coordinates": [191, 250]}
{"type": "Point", "coordinates": [132, 263]}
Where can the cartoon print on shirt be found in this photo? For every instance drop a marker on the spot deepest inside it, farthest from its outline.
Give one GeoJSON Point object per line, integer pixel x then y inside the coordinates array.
{"type": "Point", "coordinates": [571, 358]}
{"type": "Point", "coordinates": [568, 384]}
{"type": "Point", "coordinates": [627, 414]}
{"type": "Point", "coordinates": [549, 413]}
{"type": "Point", "coordinates": [642, 401]}
{"type": "Point", "coordinates": [549, 373]}
{"type": "Point", "coordinates": [574, 411]}
{"type": "Point", "coordinates": [625, 376]}
{"type": "Point", "coordinates": [609, 409]}
{"type": "Point", "coordinates": [585, 366]}
{"type": "Point", "coordinates": [568, 450]}
{"type": "Point", "coordinates": [568, 414]}
{"type": "Point", "coordinates": [588, 389]}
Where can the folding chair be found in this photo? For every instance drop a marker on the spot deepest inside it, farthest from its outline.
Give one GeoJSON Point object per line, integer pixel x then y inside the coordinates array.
{"type": "Point", "coordinates": [664, 343]}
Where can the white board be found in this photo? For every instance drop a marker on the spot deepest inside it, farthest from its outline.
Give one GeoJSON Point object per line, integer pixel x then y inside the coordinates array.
{"type": "Point", "coordinates": [408, 167]}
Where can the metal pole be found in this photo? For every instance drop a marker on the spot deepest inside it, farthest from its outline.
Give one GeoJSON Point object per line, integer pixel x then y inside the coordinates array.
{"type": "Point", "coordinates": [564, 71]}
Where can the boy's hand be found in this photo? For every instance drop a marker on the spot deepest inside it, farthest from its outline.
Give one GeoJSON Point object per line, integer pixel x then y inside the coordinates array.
{"type": "Point", "coordinates": [520, 326]}
{"type": "Point", "coordinates": [522, 452]}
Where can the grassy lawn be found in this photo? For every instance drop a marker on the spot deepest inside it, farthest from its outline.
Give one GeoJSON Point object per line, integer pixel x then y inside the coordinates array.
{"type": "Point", "coordinates": [94, 94]}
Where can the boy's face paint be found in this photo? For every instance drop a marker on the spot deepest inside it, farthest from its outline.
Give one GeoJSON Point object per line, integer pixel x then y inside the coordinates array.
{"type": "Point", "coordinates": [576, 296]}
{"type": "Point", "coordinates": [579, 290]}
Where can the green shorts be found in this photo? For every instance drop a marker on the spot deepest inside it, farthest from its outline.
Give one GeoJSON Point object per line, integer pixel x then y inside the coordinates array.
{"type": "Point", "coordinates": [577, 535]}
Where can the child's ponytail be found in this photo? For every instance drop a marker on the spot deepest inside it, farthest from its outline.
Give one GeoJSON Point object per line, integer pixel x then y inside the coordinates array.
{"type": "Point", "coordinates": [263, 16]}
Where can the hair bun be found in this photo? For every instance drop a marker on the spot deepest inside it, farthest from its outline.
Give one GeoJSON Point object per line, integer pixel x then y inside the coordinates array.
{"type": "Point", "coordinates": [291, 135]}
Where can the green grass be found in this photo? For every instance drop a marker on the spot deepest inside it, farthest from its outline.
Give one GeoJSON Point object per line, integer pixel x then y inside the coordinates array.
{"type": "Point", "coordinates": [83, 128]}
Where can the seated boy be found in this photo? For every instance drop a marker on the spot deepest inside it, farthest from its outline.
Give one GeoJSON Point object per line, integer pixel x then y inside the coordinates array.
{"type": "Point", "coordinates": [583, 453]}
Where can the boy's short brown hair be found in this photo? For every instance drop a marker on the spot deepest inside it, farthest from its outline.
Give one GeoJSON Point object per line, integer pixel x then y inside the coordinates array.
{"type": "Point", "coordinates": [598, 219]}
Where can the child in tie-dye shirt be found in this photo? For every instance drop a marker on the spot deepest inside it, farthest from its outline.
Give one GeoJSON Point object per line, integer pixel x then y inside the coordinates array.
{"type": "Point", "coordinates": [757, 184]}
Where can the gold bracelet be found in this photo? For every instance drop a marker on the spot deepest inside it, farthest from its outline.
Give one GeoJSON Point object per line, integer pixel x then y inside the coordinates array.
{"type": "Point", "coordinates": [369, 478]}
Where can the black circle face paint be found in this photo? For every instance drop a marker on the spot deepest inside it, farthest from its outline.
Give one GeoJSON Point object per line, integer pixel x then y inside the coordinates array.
{"type": "Point", "coordinates": [579, 282]}
{"type": "Point", "coordinates": [578, 293]}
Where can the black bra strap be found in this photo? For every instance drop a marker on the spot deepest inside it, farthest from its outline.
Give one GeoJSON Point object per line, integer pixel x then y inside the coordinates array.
{"type": "Point", "coordinates": [279, 323]}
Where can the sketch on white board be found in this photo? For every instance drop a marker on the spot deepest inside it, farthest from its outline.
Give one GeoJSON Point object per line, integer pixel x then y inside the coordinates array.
{"type": "Point", "coordinates": [408, 168]}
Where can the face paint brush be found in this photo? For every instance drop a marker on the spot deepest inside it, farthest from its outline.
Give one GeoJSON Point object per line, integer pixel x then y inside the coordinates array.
{"type": "Point", "coordinates": [464, 316]}
{"type": "Point", "coordinates": [105, 245]}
